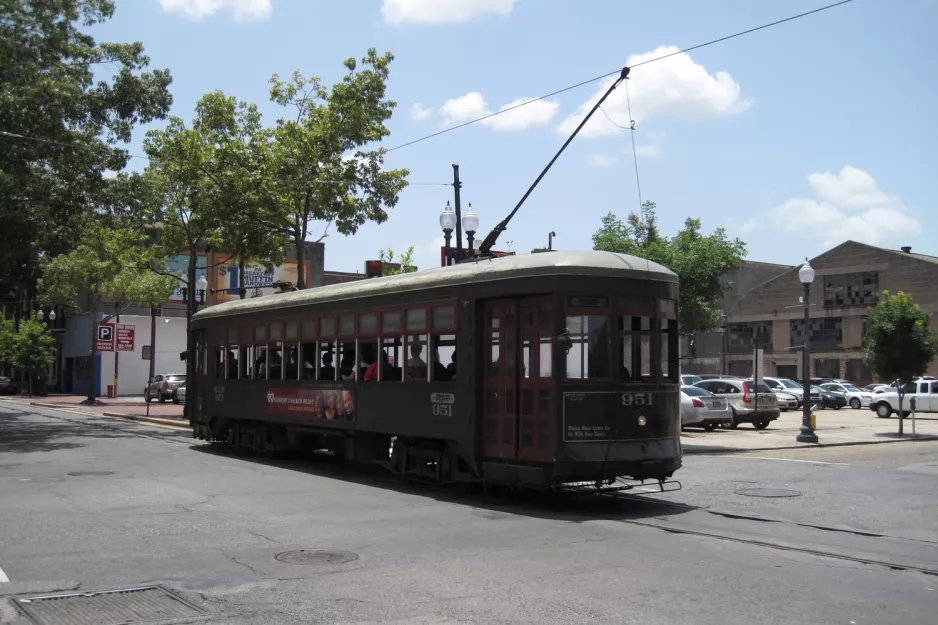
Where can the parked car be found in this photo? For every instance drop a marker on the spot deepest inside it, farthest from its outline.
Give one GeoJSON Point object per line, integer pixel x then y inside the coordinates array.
{"type": "Point", "coordinates": [690, 380]}
{"type": "Point", "coordinates": [856, 397]}
{"type": "Point", "coordinates": [923, 390]}
{"type": "Point", "coordinates": [701, 408]}
{"type": "Point", "coordinates": [871, 388]}
{"type": "Point", "coordinates": [823, 398]}
{"type": "Point", "coordinates": [787, 401]}
{"type": "Point", "coordinates": [718, 376]}
{"type": "Point", "coordinates": [161, 387]}
{"type": "Point", "coordinates": [7, 386]}
{"type": "Point", "coordinates": [740, 396]}
{"type": "Point", "coordinates": [785, 385]}
{"type": "Point", "coordinates": [179, 395]}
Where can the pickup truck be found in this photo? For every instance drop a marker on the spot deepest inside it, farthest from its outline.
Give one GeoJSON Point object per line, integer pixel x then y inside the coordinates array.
{"type": "Point", "coordinates": [925, 392]}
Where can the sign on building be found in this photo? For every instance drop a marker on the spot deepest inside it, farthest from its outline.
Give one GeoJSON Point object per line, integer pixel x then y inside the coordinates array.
{"type": "Point", "coordinates": [105, 342]}
{"type": "Point", "coordinates": [125, 338]}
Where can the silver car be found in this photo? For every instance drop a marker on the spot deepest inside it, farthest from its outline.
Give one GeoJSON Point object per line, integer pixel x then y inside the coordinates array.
{"type": "Point", "coordinates": [179, 395]}
{"type": "Point", "coordinates": [701, 408]}
{"type": "Point", "coordinates": [741, 396]}
{"type": "Point", "coordinates": [162, 386]}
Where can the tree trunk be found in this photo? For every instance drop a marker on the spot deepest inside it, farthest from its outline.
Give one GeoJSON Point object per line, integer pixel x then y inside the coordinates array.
{"type": "Point", "coordinates": [901, 420]}
{"type": "Point", "coordinates": [190, 355]}
{"type": "Point", "coordinates": [241, 292]}
{"type": "Point", "coordinates": [301, 264]}
{"type": "Point", "coordinates": [92, 374]}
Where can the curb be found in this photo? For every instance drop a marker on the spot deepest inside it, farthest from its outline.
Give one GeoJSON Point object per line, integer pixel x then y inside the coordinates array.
{"type": "Point", "coordinates": [175, 423]}
{"type": "Point", "coordinates": [737, 450]}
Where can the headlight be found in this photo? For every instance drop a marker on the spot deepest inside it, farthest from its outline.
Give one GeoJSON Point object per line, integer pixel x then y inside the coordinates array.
{"type": "Point", "coordinates": [642, 420]}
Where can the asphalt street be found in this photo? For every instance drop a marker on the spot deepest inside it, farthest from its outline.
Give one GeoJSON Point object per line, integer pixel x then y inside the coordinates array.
{"type": "Point", "coordinates": [95, 504]}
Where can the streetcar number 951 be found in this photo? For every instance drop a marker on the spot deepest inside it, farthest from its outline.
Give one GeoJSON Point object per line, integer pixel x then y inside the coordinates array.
{"type": "Point", "coordinates": [442, 410]}
{"type": "Point", "coordinates": [636, 399]}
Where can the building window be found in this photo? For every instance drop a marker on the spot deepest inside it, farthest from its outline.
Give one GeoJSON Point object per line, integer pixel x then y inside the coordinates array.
{"type": "Point", "coordinates": [745, 337]}
{"type": "Point", "coordinates": [827, 368]}
{"type": "Point", "coordinates": [851, 289]}
{"type": "Point", "coordinates": [827, 333]}
{"type": "Point", "coordinates": [858, 370]}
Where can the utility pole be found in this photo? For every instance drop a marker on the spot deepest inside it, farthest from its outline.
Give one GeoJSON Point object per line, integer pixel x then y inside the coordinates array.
{"type": "Point", "coordinates": [117, 321]}
{"type": "Point", "coordinates": [458, 185]}
{"type": "Point", "coordinates": [152, 343]}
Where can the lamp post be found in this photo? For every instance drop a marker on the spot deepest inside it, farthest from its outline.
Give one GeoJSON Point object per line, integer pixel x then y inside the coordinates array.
{"type": "Point", "coordinates": [470, 223]}
{"type": "Point", "coordinates": [202, 286]}
{"type": "Point", "coordinates": [447, 222]}
{"type": "Point", "coordinates": [41, 315]}
{"type": "Point", "coordinates": [807, 434]}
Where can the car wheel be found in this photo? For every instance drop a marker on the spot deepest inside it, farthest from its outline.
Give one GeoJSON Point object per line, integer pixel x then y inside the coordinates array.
{"type": "Point", "coordinates": [883, 411]}
{"type": "Point", "coordinates": [837, 407]}
{"type": "Point", "coordinates": [761, 425]}
{"type": "Point", "coordinates": [710, 427]}
{"type": "Point", "coordinates": [855, 403]}
{"type": "Point", "coordinates": [733, 423]}
{"type": "Point", "coordinates": [175, 399]}
{"type": "Point", "coordinates": [146, 395]}
{"type": "Point", "coordinates": [162, 398]}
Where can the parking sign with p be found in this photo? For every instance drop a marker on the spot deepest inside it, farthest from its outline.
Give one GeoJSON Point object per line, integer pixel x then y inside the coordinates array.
{"type": "Point", "coordinates": [105, 342]}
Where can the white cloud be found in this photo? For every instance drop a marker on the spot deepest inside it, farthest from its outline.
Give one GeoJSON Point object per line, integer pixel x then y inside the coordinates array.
{"type": "Point", "coordinates": [673, 87]}
{"type": "Point", "coordinates": [420, 112]}
{"type": "Point", "coordinates": [849, 206]}
{"type": "Point", "coordinates": [473, 106]}
{"type": "Point", "coordinates": [242, 10]}
{"type": "Point", "coordinates": [652, 149]}
{"type": "Point", "coordinates": [602, 160]}
{"type": "Point", "coordinates": [443, 11]}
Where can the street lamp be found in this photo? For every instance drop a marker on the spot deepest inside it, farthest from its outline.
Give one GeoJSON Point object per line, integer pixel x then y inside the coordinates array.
{"type": "Point", "coordinates": [202, 285]}
{"type": "Point", "coordinates": [447, 222]}
{"type": "Point", "coordinates": [41, 315]}
{"type": "Point", "coordinates": [807, 434]}
{"type": "Point", "coordinates": [470, 223]}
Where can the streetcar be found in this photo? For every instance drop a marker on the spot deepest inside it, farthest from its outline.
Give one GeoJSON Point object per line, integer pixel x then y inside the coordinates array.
{"type": "Point", "coordinates": [554, 371]}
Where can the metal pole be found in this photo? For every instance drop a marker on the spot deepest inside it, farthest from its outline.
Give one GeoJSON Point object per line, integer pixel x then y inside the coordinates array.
{"type": "Point", "coordinates": [117, 320]}
{"type": "Point", "coordinates": [456, 186]}
{"type": "Point", "coordinates": [447, 237]}
{"type": "Point", "coordinates": [152, 343]}
{"type": "Point", "coordinates": [807, 434]}
{"type": "Point", "coordinates": [550, 240]}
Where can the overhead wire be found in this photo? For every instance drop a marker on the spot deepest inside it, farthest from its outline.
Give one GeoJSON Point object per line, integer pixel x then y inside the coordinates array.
{"type": "Point", "coordinates": [617, 71]}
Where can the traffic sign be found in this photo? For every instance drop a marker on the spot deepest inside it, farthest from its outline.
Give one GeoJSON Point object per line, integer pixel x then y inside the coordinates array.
{"type": "Point", "coordinates": [105, 342]}
{"type": "Point", "coordinates": [125, 338]}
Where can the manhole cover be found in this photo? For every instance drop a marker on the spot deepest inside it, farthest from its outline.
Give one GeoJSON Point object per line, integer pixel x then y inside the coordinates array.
{"type": "Point", "coordinates": [83, 473]}
{"type": "Point", "coordinates": [768, 492]}
{"type": "Point", "coordinates": [316, 556]}
{"type": "Point", "coordinates": [112, 607]}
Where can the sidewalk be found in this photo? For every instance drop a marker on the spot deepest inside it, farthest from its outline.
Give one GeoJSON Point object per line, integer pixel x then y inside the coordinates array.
{"type": "Point", "coordinates": [131, 406]}
{"type": "Point", "coordinates": [834, 427]}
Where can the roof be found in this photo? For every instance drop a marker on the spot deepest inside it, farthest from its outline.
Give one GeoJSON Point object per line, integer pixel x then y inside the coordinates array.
{"type": "Point", "coordinates": [488, 270]}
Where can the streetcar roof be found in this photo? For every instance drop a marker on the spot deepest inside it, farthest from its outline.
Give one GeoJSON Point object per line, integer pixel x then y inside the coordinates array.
{"type": "Point", "coordinates": [592, 263]}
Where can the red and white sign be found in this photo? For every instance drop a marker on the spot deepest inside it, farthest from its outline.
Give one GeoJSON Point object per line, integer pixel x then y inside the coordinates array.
{"type": "Point", "coordinates": [105, 338]}
{"type": "Point", "coordinates": [125, 338]}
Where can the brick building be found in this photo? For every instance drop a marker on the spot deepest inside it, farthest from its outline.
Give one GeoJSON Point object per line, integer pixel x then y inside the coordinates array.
{"type": "Point", "coordinates": [849, 279]}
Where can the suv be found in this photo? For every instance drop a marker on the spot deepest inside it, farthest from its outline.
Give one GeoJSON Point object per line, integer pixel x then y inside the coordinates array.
{"type": "Point", "coordinates": [784, 385]}
{"type": "Point", "coordinates": [162, 386]}
{"type": "Point", "coordinates": [923, 390]}
{"type": "Point", "coordinates": [740, 396]}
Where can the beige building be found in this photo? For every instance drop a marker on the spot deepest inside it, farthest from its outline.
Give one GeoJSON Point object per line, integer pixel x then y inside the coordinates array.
{"type": "Point", "coordinates": [849, 279]}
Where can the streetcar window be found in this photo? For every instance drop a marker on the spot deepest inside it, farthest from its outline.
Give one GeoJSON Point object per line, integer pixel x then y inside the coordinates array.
{"type": "Point", "coordinates": [347, 325]}
{"type": "Point", "coordinates": [634, 347]}
{"type": "Point", "coordinates": [292, 330]}
{"type": "Point", "coordinates": [391, 321]}
{"type": "Point", "coordinates": [261, 364]}
{"type": "Point", "coordinates": [367, 360]}
{"type": "Point", "coordinates": [443, 357]}
{"type": "Point", "coordinates": [493, 354]}
{"type": "Point", "coordinates": [260, 332]}
{"type": "Point", "coordinates": [275, 356]}
{"type": "Point", "coordinates": [233, 335]}
{"type": "Point", "coordinates": [232, 365]}
{"type": "Point", "coordinates": [627, 364]}
{"type": "Point", "coordinates": [326, 360]}
{"type": "Point", "coordinates": [416, 319]}
{"type": "Point", "coordinates": [645, 357]}
{"type": "Point", "coordinates": [392, 359]}
{"type": "Point", "coordinates": [526, 351]}
{"type": "Point", "coordinates": [347, 358]}
{"type": "Point", "coordinates": [291, 364]}
{"type": "Point", "coordinates": [546, 354]}
{"type": "Point", "coordinates": [326, 327]}
{"type": "Point", "coordinates": [589, 356]}
{"type": "Point", "coordinates": [307, 360]}
{"type": "Point", "coordinates": [416, 357]}
{"type": "Point", "coordinates": [443, 318]}
{"type": "Point", "coordinates": [668, 348]}
{"type": "Point", "coordinates": [247, 362]}
{"type": "Point", "coordinates": [367, 324]}
{"type": "Point", "coordinates": [220, 363]}
{"type": "Point", "coordinates": [309, 328]}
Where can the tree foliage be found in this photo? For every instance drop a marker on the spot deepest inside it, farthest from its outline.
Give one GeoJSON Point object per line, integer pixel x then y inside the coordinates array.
{"type": "Point", "coordinates": [900, 344]}
{"type": "Point", "coordinates": [405, 262]}
{"type": "Point", "coordinates": [33, 347]}
{"type": "Point", "coordinates": [699, 260]}
{"type": "Point", "coordinates": [320, 169]}
{"type": "Point", "coordinates": [7, 342]}
{"type": "Point", "coordinates": [67, 105]}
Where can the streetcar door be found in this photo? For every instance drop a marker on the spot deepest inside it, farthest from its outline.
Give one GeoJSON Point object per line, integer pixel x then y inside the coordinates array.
{"type": "Point", "coordinates": [518, 375]}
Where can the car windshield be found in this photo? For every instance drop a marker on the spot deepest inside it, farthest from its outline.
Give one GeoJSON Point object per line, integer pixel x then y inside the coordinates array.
{"type": "Point", "coordinates": [756, 388]}
{"type": "Point", "coordinates": [818, 389]}
{"type": "Point", "coordinates": [695, 391]}
{"type": "Point", "coordinates": [789, 383]}
{"type": "Point", "coordinates": [175, 377]}
{"type": "Point", "coordinates": [851, 388]}
{"type": "Point", "coordinates": [691, 379]}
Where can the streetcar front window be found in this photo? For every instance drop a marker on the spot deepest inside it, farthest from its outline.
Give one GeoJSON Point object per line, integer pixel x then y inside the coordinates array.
{"type": "Point", "coordinates": [634, 348]}
{"type": "Point", "coordinates": [589, 356]}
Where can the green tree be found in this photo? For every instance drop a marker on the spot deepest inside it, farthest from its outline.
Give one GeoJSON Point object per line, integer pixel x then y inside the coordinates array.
{"type": "Point", "coordinates": [108, 267]}
{"type": "Point", "coordinates": [7, 338]}
{"type": "Point", "coordinates": [68, 105]}
{"type": "Point", "coordinates": [320, 169]}
{"type": "Point", "coordinates": [699, 260]}
{"type": "Point", "coordinates": [404, 264]}
{"type": "Point", "coordinates": [33, 348]}
{"type": "Point", "coordinates": [900, 344]}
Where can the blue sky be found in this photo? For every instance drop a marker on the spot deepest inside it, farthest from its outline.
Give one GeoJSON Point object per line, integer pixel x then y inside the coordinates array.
{"type": "Point", "coordinates": [793, 138]}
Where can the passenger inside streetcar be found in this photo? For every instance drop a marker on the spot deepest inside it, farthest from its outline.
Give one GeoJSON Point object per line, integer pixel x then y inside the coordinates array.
{"type": "Point", "coordinates": [327, 371]}
{"type": "Point", "coordinates": [371, 375]}
{"type": "Point", "coordinates": [440, 372]}
{"type": "Point", "coordinates": [451, 367]}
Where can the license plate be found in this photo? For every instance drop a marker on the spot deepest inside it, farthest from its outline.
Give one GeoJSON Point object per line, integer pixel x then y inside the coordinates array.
{"type": "Point", "coordinates": [717, 405]}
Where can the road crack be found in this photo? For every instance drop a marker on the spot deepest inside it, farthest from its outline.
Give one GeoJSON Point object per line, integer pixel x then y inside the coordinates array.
{"type": "Point", "coordinates": [244, 564]}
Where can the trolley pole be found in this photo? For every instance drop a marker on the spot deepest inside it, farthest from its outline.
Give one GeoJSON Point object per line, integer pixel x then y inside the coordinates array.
{"type": "Point", "coordinates": [456, 186]}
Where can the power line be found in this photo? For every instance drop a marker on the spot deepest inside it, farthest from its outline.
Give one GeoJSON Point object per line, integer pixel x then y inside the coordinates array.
{"type": "Point", "coordinates": [638, 182]}
{"type": "Point", "coordinates": [613, 73]}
